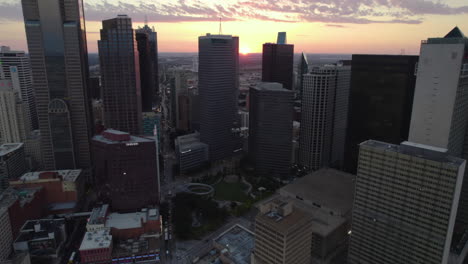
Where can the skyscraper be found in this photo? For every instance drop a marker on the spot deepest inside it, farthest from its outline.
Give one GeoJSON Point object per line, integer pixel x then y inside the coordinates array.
{"type": "Point", "coordinates": [324, 116]}
{"type": "Point", "coordinates": [56, 37]}
{"type": "Point", "coordinates": [270, 128]}
{"type": "Point", "coordinates": [120, 75]}
{"type": "Point", "coordinates": [147, 41]}
{"type": "Point", "coordinates": [405, 204]}
{"type": "Point", "coordinates": [277, 62]}
{"type": "Point", "coordinates": [218, 88]}
{"type": "Point", "coordinates": [381, 98]}
{"type": "Point", "coordinates": [15, 66]}
{"type": "Point", "coordinates": [14, 122]}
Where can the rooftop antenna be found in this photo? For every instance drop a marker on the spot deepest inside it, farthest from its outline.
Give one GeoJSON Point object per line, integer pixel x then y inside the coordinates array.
{"type": "Point", "coordinates": [146, 20]}
{"type": "Point", "coordinates": [220, 28]}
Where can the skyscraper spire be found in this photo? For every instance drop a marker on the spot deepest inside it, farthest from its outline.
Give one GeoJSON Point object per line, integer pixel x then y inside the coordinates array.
{"type": "Point", "coordinates": [146, 20]}
{"type": "Point", "coordinates": [220, 28]}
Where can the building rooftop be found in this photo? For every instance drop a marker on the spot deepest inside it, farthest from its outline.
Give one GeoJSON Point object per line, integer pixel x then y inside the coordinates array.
{"type": "Point", "coordinates": [131, 220]}
{"type": "Point", "coordinates": [280, 214]}
{"type": "Point", "coordinates": [147, 247]}
{"type": "Point", "coordinates": [216, 36]}
{"type": "Point", "coordinates": [239, 242]}
{"type": "Point", "coordinates": [326, 188]}
{"type": "Point", "coordinates": [111, 136]}
{"type": "Point", "coordinates": [96, 239]}
{"type": "Point", "coordinates": [65, 175]}
{"type": "Point", "coordinates": [188, 142]}
{"type": "Point", "coordinates": [9, 147]}
{"type": "Point", "coordinates": [416, 150]}
{"type": "Point", "coordinates": [98, 215]}
{"type": "Point", "coordinates": [39, 229]}
{"type": "Point", "coordinates": [270, 86]}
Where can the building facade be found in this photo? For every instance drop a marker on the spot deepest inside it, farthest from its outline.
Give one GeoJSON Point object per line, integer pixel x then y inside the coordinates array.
{"type": "Point", "coordinates": [278, 62]}
{"type": "Point", "coordinates": [120, 75]}
{"type": "Point", "coordinates": [56, 37]}
{"type": "Point", "coordinates": [147, 42]}
{"type": "Point", "coordinates": [126, 170]}
{"type": "Point", "coordinates": [12, 163]}
{"type": "Point", "coordinates": [405, 204]}
{"type": "Point", "coordinates": [191, 153]}
{"type": "Point", "coordinates": [271, 128]}
{"type": "Point", "coordinates": [381, 98]}
{"type": "Point", "coordinates": [15, 66]}
{"type": "Point", "coordinates": [218, 88]}
{"type": "Point", "coordinates": [282, 234]}
{"type": "Point", "coordinates": [324, 117]}
{"type": "Point", "coordinates": [14, 118]}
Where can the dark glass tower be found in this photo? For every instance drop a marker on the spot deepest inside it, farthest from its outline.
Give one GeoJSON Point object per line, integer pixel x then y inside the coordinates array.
{"type": "Point", "coordinates": [147, 41]}
{"type": "Point", "coordinates": [270, 129]}
{"type": "Point", "coordinates": [218, 89]}
{"type": "Point", "coordinates": [381, 99]}
{"type": "Point", "coordinates": [303, 69]}
{"type": "Point", "coordinates": [120, 75]}
{"type": "Point", "coordinates": [277, 62]}
{"type": "Point", "coordinates": [57, 47]}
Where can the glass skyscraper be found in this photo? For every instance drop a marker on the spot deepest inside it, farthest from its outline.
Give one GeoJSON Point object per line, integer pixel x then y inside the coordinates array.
{"type": "Point", "coordinates": [56, 37]}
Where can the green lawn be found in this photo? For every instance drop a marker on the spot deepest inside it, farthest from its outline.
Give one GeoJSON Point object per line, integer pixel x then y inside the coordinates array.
{"type": "Point", "coordinates": [230, 191]}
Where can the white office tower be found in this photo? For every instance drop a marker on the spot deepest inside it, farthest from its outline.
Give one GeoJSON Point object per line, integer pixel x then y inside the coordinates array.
{"type": "Point", "coordinates": [441, 95]}
{"type": "Point", "coordinates": [14, 125]}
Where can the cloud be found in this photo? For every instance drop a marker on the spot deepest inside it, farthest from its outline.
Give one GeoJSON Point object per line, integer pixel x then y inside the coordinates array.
{"type": "Point", "coordinates": [333, 13]}
{"type": "Point", "coordinates": [335, 26]}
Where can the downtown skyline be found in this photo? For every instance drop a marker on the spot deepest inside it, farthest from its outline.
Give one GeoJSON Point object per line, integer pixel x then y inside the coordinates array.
{"type": "Point", "coordinates": [349, 26]}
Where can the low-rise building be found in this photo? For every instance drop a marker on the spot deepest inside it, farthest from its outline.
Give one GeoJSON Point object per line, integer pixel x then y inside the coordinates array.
{"type": "Point", "coordinates": [327, 197]}
{"type": "Point", "coordinates": [132, 225]}
{"type": "Point", "coordinates": [43, 239]}
{"type": "Point", "coordinates": [191, 152]}
{"type": "Point", "coordinates": [64, 189]}
{"type": "Point", "coordinates": [96, 247]}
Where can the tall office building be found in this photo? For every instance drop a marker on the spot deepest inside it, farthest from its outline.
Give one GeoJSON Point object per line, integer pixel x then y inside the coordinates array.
{"type": "Point", "coordinates": [271, 128]}
{"type": "Point", "coordinates": [14, 121]}
{"type": "Point", "coordinates": [147, 41]}
{"type": "Point", "coordinates": [12, 163]}
{"type": "Point", "coordinates": [120, 75]}
{"type": "Point", "coordinates": [126, 170]}
{"type": "Point", "coordinates": [282, 234]}
{"type": "Point", "coordinates": [56, 37]}
{"type": "Point", "coordinates": [324, 116]}
{"type": "Point", "coordinates": [15, 66]}
{"type": "Point", "coordinates": [278, 62]}
{"type": "Point", "coordinates": [218, 88]}
{"type": "Point", "coordinates": [439, 116]}
{"type": "Point", "coordinates": [381, 98]}
{"type": "Point", "coordinates": [405, 204]}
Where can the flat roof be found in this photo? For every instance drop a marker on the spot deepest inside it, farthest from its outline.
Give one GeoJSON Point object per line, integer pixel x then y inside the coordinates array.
{"type": "Point", "coordinates": [416, 150]}
{"type": "Point", "coordinates": [133, 139]}
{"type": "Point", "coordinates": [240, 243]}
{"type": "Point", "coordinates": [270, 86]}
{"type": "Point", "coordinates": [96, 239]}
{"type": "Point", "coordinates": [326, 188]}
{"type": "Point", "coordinates": [131, 220]}
{"type": "Point", "coordinates": [282, 223]}
{"type": "Point", "coordinates": [67, 175]}
{"type": "Point", "coordinates": [9, 147]}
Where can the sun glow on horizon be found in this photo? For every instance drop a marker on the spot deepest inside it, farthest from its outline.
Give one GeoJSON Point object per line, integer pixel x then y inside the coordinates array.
{"type": "Point", "coordinates": [244, 50]}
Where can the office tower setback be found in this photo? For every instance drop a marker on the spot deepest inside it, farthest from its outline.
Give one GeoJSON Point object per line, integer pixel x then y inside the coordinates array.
{"type": "Point", "coordinates": [218, 87]}
{"type": "Point", "coordinates": [381, 98]}
{"type": "Point", "coordinates": [120, 75]}
{"type": "Point", "coordinates": [302, 70]}
{"type": "Point", "coordinates": [324, 116]}
{"type": "Point", "coordinates": [15, 66]}
{"type": "Point", "coordinates": [126, 170]}
{"type": "Point", "coordinates": [56, 37]}
{"type": "Point", "coordinates": [277, 62]}
{"type": "Point", "coordinates": [270, 129]}
{"type": "Point", "coordinates": [282, 233]}
{"type": "Point", "coordinates": [147, 41]}
{"type": "Point", "coordinates": [405, 204]}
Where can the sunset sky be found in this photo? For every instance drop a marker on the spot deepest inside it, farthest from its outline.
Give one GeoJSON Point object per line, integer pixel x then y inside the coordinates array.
{"type": "Point", "coordinates": [313, 26]}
